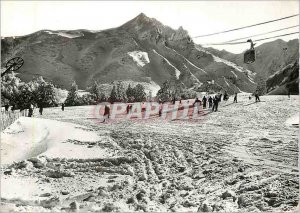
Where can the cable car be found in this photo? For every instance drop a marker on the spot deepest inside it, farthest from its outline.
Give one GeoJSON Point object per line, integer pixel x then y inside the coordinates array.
{"type": "Point", "coordinates": [249, 55]}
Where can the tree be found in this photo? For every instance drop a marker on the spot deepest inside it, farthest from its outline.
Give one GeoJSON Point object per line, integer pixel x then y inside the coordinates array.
{"type": "Point", "coordinates": [26, 95]}
{"type": "Point", "coordinates": [139, 93]}
{"type": "Point", "coordinates": [10, 88]}
{"type": "Point", "coordinates": [73, 97]}
{"type": "Point", "coordinates": [103, 97]}
{"type": "Point", "coordinates": [94, 91]}
{"type": "Point", "coordinates": [45, 95]}
{"type": "Point", "coordinates": [129, 93]}
{"type": "Point", "coordinates": [164, 94]}
{"type": "Point", "coordinates": [121, 92]}
{"type": "Point", "coordinates": [118, 93]}
{"type": "Point", "coordinates": [261, 87]}
{"type": "Point", "coordinates": [113, 94]}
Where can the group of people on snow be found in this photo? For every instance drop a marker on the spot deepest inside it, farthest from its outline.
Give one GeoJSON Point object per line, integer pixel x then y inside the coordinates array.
{"type": "Point", "coordinates": [212, 102]}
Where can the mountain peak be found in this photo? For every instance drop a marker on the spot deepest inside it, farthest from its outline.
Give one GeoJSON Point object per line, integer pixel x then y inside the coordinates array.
{"type": "Point", "coordinates": [142, 15]}
{"type": "Point", "coordinates": [143, 18]}
{"type": "Point", "coordinates": [140, 20]}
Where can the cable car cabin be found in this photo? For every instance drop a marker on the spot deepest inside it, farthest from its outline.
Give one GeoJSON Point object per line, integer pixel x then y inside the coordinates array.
{"type": "Point", "coordinates": [249, 55]}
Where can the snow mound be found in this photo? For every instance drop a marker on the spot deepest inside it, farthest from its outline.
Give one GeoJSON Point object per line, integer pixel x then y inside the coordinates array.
{"type": "Point", "coordinates": [141, 58]}
{"type": "Point", "coordinates": [294, 120]}
{"type": "Point", "coordinates": [31, 137]}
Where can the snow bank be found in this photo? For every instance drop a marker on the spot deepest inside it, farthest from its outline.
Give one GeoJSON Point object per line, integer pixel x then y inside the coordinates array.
{"type": "Point", "coordinates": [30, 137]}
{"type": "Point", "coordinates": [294, 120]}
{"type": "Point", "coordinates": [141, 58]}
{"type": "Point", "coordinates": [177, 72]}
{"type": "Point", "coordinates": [21, 188]}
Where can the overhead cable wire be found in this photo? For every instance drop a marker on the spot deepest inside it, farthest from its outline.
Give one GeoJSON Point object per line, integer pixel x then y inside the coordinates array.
{"type": "Point", "coordinates": [243, 42]}
{"type": "Point", "coordinates": [253, 25]}
{"type": "Point", "coordinates": [263, 33]}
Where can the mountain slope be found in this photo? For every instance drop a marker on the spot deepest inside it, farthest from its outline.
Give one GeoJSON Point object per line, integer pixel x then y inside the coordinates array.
{"type": "Point", "coordinates": [284, 81]}
{"type": "Point", "coordinates": [141, 50]}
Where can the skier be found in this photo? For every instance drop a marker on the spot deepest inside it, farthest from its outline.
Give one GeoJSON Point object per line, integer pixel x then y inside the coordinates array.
{"type": "Point", "coordinates": [256, 97]}
{"type": "Point", "coordinates": [235, 98]}
{"type": "Point", "coordinates": [210, 101]}
{"type": "Point", "coordinates": [215, 103]}
{"type": "Point", "coordinates": [204, 99]}
{"type": "Point", "coordinates": [197, 103]}
{"type": "Point", "coordinates": [225, 96]}
{"type": "Point", "coordinates": [220, 97]}
{"type": "Point", "coordinates": [106, 113]}
{"type": "Point", "coordinates": [41, 110]}
{"type": "Point", "coordinates": [128, 108]}
{"type": "Point", "coordinates": [63, 107]}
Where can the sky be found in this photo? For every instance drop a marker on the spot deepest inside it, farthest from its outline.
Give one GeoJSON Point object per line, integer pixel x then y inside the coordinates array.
{"type": "Point", "coordinates": [197, 17]}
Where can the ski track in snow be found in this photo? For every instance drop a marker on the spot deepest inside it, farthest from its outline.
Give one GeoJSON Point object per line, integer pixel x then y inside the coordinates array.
{"type": "Point", "coordinates": [177, 72]}
{"type": "Point", "coordinates": [193, 76]}
{"type": "Point", "coordinates": [234, 74]}
{"type": "Point", "coordinates": [243, 150]}
{"type": "Point", "coordinates": [226, 81]}
{"type": "Point", "coordinates": [135, 42]}
{"type": "Point", "coordinates": [186, 59]}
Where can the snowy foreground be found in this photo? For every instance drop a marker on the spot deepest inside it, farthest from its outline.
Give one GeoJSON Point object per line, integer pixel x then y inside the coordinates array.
{"type": "Point", "coordinates": [242, 158]}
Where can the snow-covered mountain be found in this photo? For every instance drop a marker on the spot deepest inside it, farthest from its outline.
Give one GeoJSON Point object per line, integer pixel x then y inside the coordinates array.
{"type": "Point", "coordinates": [141, 50]}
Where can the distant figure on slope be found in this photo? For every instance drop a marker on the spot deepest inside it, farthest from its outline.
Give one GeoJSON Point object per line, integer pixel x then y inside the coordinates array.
{"type": "Point", "coordinates": [220, 97]}
{"type": "Point", "coordinates": [41, 110]}
{"type": "Point", "coordinates": [204, 99]}
{"type": "Point", "coordinates": [225, 98]}
{"type": "Point", "coordinates": [249, 97]}
{"type": "Point", "coordinates": [128, 108]}
{"type": "Point", "coordinates": [106, 113]}
{"type": "Point", "coordinates": [63, 107]}
{"type": "Point", "coordinates": [215, 103]}
{"type": "Point", "coordinates": [197, 103]}
{"type": "Point", "coordinates": [6, 107]}
{"type": "Point", "coordinates": [160, 110]}
{"type": "Point", "coordinates": [235, 98]}
{"type": "Point", "coordinates": [210, 101]}
{"type": "Point", "coordinates": [174, 100]}
{"type": "Point", "coordinates": [289, 93]}
{"type": "Point", "coordinates": [256, 97]}
{"type": "Point", "coordinates": [30, 110]}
